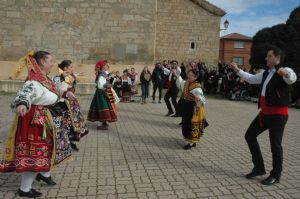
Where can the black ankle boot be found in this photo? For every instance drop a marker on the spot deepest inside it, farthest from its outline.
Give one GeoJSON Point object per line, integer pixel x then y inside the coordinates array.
{"type": "Point", "coordinates": [30, 194]}
{"type": "Point", "coordinates": [48, 180]}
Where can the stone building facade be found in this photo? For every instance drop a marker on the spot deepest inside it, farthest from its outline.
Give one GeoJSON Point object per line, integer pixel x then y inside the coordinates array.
{"type": "Point", "coordinates": [187, 30]}
{"type": "Point", "coordinates": [122, 31]}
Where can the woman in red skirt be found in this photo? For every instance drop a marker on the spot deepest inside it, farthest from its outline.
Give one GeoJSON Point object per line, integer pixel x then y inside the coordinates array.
{"type": "Point", "coordinates": [30, 146]}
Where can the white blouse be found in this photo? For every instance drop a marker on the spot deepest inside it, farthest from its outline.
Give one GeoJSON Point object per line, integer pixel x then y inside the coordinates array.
{"type": "Point", "coordinates": [196, 91]}
{"type": "Point", "coordinates": [101, 82]}
{"type": "Point", "coordinates": [34, 93]}
{"type": "Point", "coordinates": [128, 81]}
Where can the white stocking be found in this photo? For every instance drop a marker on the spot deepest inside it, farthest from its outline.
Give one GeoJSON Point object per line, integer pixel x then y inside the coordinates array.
{"type": "Point", "coordinates": [27, 180]}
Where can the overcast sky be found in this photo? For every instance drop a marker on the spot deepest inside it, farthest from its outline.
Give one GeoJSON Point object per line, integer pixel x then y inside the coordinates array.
{"type": "Point", "coordinates": [249, 16]}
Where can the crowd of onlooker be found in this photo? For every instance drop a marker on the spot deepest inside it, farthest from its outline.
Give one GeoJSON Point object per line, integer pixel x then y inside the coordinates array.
{"type": "Point", "coordinates": [125, 85]}
{"type": "Point", "coordinates": [219, 80]}
{"type": "Point", "coordinates": [227, 83]}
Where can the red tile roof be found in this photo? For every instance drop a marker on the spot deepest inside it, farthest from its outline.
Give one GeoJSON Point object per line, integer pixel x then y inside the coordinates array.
{"type": "Point", "coordinates": [236, 36]}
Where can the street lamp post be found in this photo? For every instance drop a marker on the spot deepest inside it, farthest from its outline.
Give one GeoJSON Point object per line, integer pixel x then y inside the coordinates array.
{"type": "Point", "coordinates": [226, 24]}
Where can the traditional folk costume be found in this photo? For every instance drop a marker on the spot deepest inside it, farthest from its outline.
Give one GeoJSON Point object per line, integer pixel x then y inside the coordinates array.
{"type": "Point", "coordinates": [34, 143]}
{"type": "Point", "coordinates": [193, 114]}
{"type": "Point", "coordinates": [273, 101]}
{"type": "Point", "coordinates": [117, 85]}
{"type": "Point", "coordinates": [103, 106]}
{"type": "Point", "coordinates": [73, 118]}
{"type": "Point", "coordinates": [126, 89]}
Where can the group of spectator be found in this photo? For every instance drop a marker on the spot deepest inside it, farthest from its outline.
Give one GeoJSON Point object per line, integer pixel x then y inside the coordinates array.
{"type": "Point", "coordinates": [225, 82]}
{"type": "Point", "coordinates": [124, 85]}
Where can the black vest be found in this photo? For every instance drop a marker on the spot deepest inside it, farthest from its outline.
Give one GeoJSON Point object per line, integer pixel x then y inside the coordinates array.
{"type": "Point", "coordinates": [277, 91]}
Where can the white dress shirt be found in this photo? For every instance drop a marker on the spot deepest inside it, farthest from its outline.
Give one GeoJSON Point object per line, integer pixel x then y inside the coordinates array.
{"type": "Point", "coordinates": [257, 78]}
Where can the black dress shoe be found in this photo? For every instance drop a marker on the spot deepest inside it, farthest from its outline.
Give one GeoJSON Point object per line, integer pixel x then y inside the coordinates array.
{"type": "Point", "coordinates": [48, 180]}
{"type": "Point", "coordinates": [255, 173]}
{"type": "Point", "coordinates": [74, 146]}
{"type": "Point", "coordinates": [180, 123]}
{"type": "Point", "coordinates": [30, 194]}
{"type": "Point", "coordinates": [189, 146]}
{"type": "Point", "coordinates": [175, 115]}
{"type": "Point", "coordinates": [270, 181]}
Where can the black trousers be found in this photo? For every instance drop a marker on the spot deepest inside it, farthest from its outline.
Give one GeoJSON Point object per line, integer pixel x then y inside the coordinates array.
{"type": "Point", "coordinates": [171, 93]}
{"type": "Point", "coordinates": [275, 124]}
{"type": "Point", "coordinates": [179, 106]}
{"type": "Point", "coordinates": [156, 86]}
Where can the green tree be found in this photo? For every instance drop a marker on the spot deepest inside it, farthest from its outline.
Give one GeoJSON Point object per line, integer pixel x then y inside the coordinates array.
{"type": "Point", "coordinates": [294, 19]}
{"type": "Point", "coordinates": [285, 36]}
{"type": "Point", "coordinates": [258, 55]}
{"type": "Point", "coordinates": [294, 22]}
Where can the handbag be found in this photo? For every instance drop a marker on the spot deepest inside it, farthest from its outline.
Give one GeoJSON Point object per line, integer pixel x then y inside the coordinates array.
{"type": "Point", "coordinates": [147, 76]}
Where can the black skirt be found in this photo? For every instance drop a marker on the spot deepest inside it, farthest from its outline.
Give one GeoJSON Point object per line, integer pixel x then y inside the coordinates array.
{"type": "Point", "coordinates": [187, 113]}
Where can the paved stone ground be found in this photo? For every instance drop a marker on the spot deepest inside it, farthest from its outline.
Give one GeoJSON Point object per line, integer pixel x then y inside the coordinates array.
{"type": "Point", "coordinates": [141, 156]}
